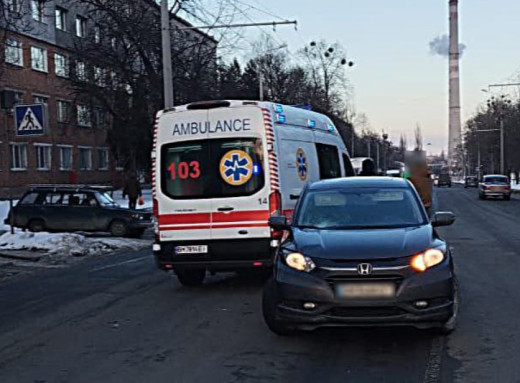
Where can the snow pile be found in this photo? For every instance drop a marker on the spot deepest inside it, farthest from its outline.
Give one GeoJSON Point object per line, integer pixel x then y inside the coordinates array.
{"type": "Point", "coordinates": [4, 210]}
{"type": "Point", "coordinates": [67, 244]}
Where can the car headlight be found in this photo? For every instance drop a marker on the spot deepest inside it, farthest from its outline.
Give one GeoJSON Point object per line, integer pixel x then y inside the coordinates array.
{"type": "Point", "coordinates": [137, 216]}
{"type": "Point", "coordinates": [429, 258]}
{"type": "Point", "coordinates": [299, 262]}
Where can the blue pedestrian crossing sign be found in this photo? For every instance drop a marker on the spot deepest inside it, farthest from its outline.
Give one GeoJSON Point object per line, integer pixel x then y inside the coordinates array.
{"type": "Point", "coordinates": [30, 119]}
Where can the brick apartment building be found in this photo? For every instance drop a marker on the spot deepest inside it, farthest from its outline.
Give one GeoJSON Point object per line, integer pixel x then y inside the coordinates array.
{"type": "Point", "coordinates": [74, 146]}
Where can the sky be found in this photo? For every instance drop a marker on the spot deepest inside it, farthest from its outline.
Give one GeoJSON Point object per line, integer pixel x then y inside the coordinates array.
{"type": "Point", "coordinates": [396, 81]}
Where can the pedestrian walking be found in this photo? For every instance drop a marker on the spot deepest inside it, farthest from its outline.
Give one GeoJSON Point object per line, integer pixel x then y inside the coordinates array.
{"type": "Point", "coordinates": [367, 168]}
{"type": "Point", "coordinates": [132, 189]}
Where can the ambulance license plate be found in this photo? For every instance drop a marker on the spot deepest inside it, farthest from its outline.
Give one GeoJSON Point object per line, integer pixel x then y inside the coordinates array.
{"type": "Point", "coordinates": [198, 249]}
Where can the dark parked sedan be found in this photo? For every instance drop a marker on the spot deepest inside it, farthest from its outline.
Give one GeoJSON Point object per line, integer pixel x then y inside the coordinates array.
{"type": "Point", "coordinates": [69, 209]}
{"type": "Point", "coordinates": [361, 252]}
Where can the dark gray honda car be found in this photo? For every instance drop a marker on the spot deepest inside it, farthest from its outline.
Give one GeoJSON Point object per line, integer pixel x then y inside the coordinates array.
{"type": "Point", "coordinates": [74, 208]}
{"type": "Point", "coordinates": [361, 252]}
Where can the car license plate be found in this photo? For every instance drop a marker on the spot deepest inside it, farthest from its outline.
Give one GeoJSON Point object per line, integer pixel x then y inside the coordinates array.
{"type": "Point", "coordinates": [198, 249]}
{"type": "Point", "coordinates": [365, 290]}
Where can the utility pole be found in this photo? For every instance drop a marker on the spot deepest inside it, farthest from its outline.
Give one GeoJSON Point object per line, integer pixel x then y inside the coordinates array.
{"type": "Point", "coordinates": [260, 82]}
{"type": "Point", "coordinates": [502, 151]}
{"type": "Point", "coordinates": [166, 55]}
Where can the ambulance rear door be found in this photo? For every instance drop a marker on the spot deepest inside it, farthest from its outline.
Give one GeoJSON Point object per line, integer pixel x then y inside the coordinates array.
{"type": "Point", "coordinates": [239, 175]}
{"type": "Point", "coordinates": [182, 176]}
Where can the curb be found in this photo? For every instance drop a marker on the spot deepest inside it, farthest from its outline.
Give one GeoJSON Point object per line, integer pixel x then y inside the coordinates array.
{"type": "Point", "coordinates": [21, 255]}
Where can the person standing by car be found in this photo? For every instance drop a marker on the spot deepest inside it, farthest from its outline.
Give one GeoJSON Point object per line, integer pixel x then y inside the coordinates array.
{"type": "Point", "coordinates": [367, 168]}
{"type": "Point", "coordinates": [132, 189]}
{"type": "Point", "coordinates": [421, 179]}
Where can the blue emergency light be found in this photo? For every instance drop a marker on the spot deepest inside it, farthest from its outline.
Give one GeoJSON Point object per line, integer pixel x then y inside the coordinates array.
{"type": "Point", "coordinates": [280, 118]}
{"type": "Point", "coordinates": [256, 169]}
{"type": "Point", "coordinates": [311, 123]}
{"type": "Point", "coordinates": [278, 108]}
{"type": "Point", "coordinates": [331, 128]}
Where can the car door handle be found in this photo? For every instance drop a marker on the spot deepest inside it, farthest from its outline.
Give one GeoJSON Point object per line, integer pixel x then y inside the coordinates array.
{"type": "Point", "coordinates": [226, 208]}
{"type": "Point", "coordinates": [294, 196]}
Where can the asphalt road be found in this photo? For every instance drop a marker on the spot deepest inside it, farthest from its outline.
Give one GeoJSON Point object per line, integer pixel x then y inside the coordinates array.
{"type": "Point", "coordinates": [118, 319]}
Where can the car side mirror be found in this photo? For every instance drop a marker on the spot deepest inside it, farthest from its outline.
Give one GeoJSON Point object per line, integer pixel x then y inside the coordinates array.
{"type": "Point", "coordinates": [279, 223]}
{"type": "Point", "coordinates": [443, 218]}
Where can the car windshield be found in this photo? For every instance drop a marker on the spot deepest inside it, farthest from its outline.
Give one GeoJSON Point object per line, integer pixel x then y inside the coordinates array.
{"type": "Point", "coordinates": [360, 208]}
{"type": "Point", "coordinates": [495, 180]}
{"type": "Point", "coordinates": [105, 200]}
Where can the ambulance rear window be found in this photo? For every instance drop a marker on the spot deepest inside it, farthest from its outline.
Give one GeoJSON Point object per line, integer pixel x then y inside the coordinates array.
{"type": "Point", "coordinates": [212, 168]}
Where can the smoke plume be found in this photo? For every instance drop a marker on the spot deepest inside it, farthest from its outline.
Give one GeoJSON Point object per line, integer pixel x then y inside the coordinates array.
{"type": "Point", "coordinates": [441, 46]}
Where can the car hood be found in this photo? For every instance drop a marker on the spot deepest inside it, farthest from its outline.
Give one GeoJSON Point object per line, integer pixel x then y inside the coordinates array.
{"type": "Point", "coordinates": [363, 244]}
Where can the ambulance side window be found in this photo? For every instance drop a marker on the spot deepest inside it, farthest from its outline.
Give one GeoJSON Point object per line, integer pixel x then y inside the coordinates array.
{"type": "Point", "coordinates": [328, 159]}
{"type": "Point", "coordinates": [347, 165]}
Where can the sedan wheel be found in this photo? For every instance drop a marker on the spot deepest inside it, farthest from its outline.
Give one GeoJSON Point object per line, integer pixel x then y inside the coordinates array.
{"type": "Point", "coordinates": [36, 225]}
{"type": "Point", "coordinates": [450, 325]}
{"type": "Point", "coordinates": [118, 229]}
{"type": "Point", "coordinates": [270, 300]}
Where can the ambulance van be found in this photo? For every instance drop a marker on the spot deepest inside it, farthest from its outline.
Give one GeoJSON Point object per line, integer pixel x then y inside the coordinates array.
{"type": "Point", "coordinates": [221, 169]}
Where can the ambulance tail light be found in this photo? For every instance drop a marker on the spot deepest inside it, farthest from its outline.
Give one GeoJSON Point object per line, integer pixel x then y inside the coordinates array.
{"type": "Point", "coordinates": [156, 220]}
{"type": "Point", "coordinates": [275, 208]}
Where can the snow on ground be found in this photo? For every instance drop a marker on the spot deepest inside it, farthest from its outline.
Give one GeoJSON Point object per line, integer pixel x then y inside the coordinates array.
{"type": "Point", "coordinates": [67, 244]}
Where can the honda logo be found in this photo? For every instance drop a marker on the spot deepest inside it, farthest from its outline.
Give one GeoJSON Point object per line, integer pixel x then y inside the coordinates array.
{"type": "Point", "coordinates": [364, 269]}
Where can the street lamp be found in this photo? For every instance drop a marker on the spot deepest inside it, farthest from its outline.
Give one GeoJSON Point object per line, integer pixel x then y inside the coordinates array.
{"type": "Point", "coordinates": [259, 70]}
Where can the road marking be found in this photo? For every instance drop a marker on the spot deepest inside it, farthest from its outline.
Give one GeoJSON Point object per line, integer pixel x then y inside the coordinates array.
{"type": "Point", "coordinates": [117, 264]}
{"type": "Point", "coordinates": [433, 368]}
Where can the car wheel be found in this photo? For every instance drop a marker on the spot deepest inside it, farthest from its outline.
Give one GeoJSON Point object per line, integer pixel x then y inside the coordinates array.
{"type": "Point", "coordinates": [270, 300]}
{"type": "Point", "coordinates": [450, 325]}
{"type": "Point", "coordinates": [118, 228]}
{"type": "Point", "coordinates": [36, 225]}
{"type": "Point", "coordinates": [191, 277]}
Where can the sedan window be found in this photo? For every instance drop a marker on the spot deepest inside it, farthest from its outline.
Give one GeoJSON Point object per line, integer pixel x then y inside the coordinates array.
{"type": "Point", "coordinates": [29, 199]}
{"type": "Point", "coordinates": [360, 208]}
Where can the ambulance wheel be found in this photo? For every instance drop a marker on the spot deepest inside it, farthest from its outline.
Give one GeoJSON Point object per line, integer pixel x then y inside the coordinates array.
{"type": "Point", "coordinates": [191, 277]}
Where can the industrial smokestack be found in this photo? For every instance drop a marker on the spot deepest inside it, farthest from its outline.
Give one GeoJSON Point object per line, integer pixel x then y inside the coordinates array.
{"type": "Point", "coordinates": [454, 75]}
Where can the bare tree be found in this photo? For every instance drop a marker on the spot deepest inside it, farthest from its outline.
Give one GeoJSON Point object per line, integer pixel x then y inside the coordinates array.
{"type": "Point", "coordinates": [15, 17]}
{"type": "Point", "coordinates": [326, 64]}
{"type": "Point", "coordinates": [118, 68]}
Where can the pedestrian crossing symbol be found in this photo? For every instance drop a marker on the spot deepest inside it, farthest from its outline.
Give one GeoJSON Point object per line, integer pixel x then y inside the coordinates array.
{"type": "Point", "coordinates": [30, 120]}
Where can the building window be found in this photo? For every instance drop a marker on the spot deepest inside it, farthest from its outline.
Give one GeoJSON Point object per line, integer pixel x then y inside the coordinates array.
{"type": "Point", "coordinates": [18, 160]}
{"type": "Point", "coordinates": [63, 108]}
{"type": "Point", "coordinates": [61, 65]}
{"type": "Point", "coordinates": [43, 157]}
{"type": "Point", "coordinates": [81, 71]}
{"type": "Point", "coordinates": [66, 158]}
{"type": "Point", "coordinates": [103, 159]}
{"type": "Point", "coordinates": [85, 159]}
{"type": "Point", "coordinates": [99, 76]}
{"type": "Point", "coordinates": [41, 100]}
{"type": "Point", "coordinates": [37, 10]}
{"type": "Point", "coordinates": [97, 34]}
{"type": "Point", "coordinates": [14, 52]}
{"type": "Point", "coordinates": [84, 118]}
{"type": "Point", "coordinates": [61, 19]}
{"type": "Point", "coordinates": [81, 26]}
{"type": "Point", "coordinates": [14, 6]}
{"type": "Point", "coordinates": [101, 117]}
{"type": "Point", "coordinates": [39, 59]}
